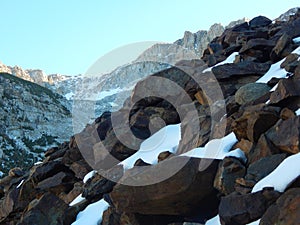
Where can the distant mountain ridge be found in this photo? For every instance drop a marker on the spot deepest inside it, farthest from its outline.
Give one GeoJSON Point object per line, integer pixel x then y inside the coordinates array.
{"type": "Point", "coordinates": [33, 118]}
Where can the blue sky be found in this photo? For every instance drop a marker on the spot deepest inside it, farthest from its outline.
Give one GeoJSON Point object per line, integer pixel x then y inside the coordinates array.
{"type": "Point", "coordinates": [68, 36]}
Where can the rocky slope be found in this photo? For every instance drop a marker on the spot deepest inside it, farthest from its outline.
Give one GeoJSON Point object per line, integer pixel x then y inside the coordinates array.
{"type": "Point", "coordinates": [255, 180]}
{"type": "Point", "coordinates": [32, 119]}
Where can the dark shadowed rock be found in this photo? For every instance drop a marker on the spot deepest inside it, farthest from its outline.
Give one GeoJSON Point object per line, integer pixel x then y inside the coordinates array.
{"type": "Point", "coordinates": [263, 167]}
{"type": "Point", "coordinates": [47, 210]}
{"type": "Point", "coordinates": [285, 211]}
{"type": "Point", "coordinates": [258, 44]}
{"type": "Point", "coordinates": [259, 21]}
{"type": "Point", "coordinates": [141, 162]}
{"type": "Point", "coordinates": [245, 68]}
{"type": "Point", "coordinates": [189, 191]}
{"type": "Point", "coordinates": [238, 209]}
{"type": "Point", "coordinates": [47, 170]}
{"type": "Point", "coordinates": [99, 185]}
{"type": "Point", "coordinates": [229, 170]}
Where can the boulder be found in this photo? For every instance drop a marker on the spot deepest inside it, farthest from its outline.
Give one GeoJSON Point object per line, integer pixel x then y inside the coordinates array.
{"type": "Point", "coordinates": [263, 167]}
{"type": "Point", "coordinates": [187, 192]}
{"type": "Point", "coordinates": [245, 68]}
{"type": "Point", "coordinates": [49, 209]}
{"type": "Point", "coordinates": [255, 121]}
{"type": "Point", "coordinates": [281, 44]}
{"type": "Point", "coordinates": [259, 44]}
{"type": "Point", "coordinates": [46, 170]}
{"type": "Point", "coordinates": [236, 209]}
{"type": "Point", "coordinates": [230, 169]}
{"type": "Point", "coordinates": [285, 211]}
{"type": "Point", "coordinates": [99, 185]}
{"type": "Point", "coordinates": [251, 92]}
{"type": "Point", "coordinates": [263, 148]}
{"type": "Point", "coordinates": [285, 91]}
{"type": "Point", "coordinates": [259, 21]}
{"type": "Point", "coordinates": [285, 135]}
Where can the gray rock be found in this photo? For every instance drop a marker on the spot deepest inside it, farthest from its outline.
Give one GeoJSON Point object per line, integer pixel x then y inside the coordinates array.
{"type": "Point", "coordinates": [250, 92]}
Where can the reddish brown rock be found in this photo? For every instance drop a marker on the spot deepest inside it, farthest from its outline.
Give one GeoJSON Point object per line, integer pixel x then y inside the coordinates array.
{"type": "Point", "coordinates": [285, 211]}
{"type": "Point", "coordinates": [281, 44]}
{"type": "Point", "coordinates": [255, 121]}
{"type": "Point", "coordinates": [244, 145]}
{"type": "Point", "coordinates": [285, 135]}
{"type": "Point", "coordinates": [287, 114]}
{"type": "Point", "coordinates": [287, 89]}
{"type": "Point", "coordinates": [263, 148]}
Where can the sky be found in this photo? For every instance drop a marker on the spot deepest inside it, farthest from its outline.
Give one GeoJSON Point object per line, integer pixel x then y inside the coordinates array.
{"type": "Point", "coordinates": [68, 36]}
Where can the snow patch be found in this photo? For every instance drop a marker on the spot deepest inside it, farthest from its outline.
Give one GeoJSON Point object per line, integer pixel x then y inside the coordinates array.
{"type": "Point", "coordinates": [88, 176]}
{"type": "Point", "coordinates": [166, 139]}
{"type": "Point", "coordinates": [282, 176]}
{"type": "Point", "coordinates": [213, 221]}
{"type": "Point", "coordinates": [275, 71]}
{"type": "Point", "coordinates": [92, 215]}
{"type": "Point", "coordinates": [77, 200]}
{"type": "Point", "coordinates": [20, 184]}
{"type": "Point", "coordinates": [216, 221]}
{"type": "Point", "coordinates": [104, 94]}
{"type": "Point", "coordinates": [296, 40]}
{"type": "Point", "coordinates": [217, 149]}
{"type": "Point", "coordinates": [230, 59]}
{"type": "Point", "coordinates": [69, 96]}
{"type": "Point", "coordinates": [298, 112]}
{"type": "Point", "coordinates": [255, 222]}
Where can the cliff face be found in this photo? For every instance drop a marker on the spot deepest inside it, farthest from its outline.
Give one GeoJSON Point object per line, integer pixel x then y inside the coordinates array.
{"type": "Point", "coordinates": [32, 119]}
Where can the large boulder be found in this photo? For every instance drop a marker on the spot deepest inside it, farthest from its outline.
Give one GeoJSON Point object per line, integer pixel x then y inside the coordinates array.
{"type": "Point", "coordinates": [189, 191]}
{"type": "Point", "coordinates": [254, 121]}
{"type": "Point", "coordinates": [259, 21]}
{"type": "Point", "coordinates": [245, 68]}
